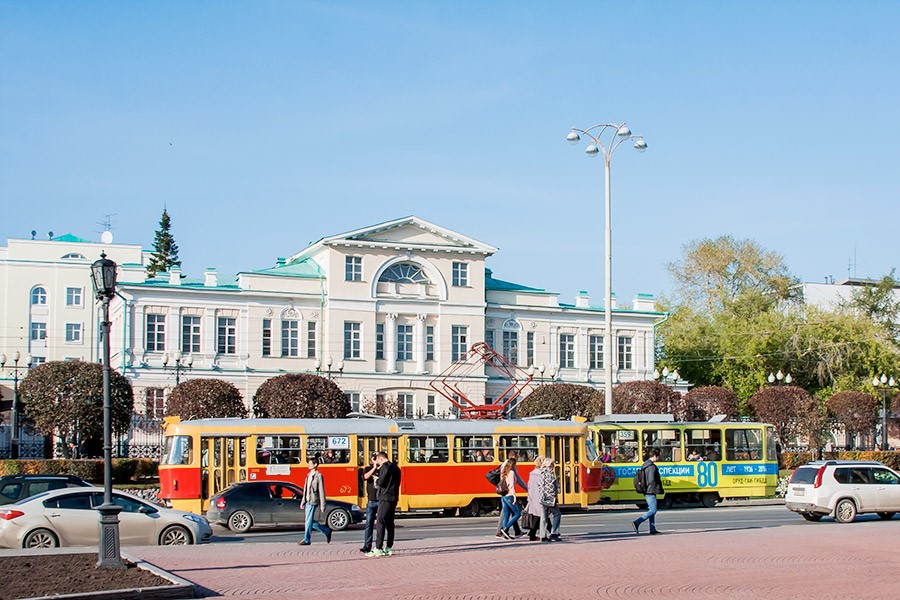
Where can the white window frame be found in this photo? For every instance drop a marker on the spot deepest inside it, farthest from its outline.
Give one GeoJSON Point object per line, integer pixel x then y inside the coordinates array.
{"type": "Point", "coordinates": [353, 268]}
{"type": "Point", "coordinates": [290, 338]}
{"type": "Point", "coordinates": [567, 351]}
{"type": "Point", "coordinates": [226, 336]}
{"type": "Point", "coordinates": [73, 333]}
{"type": "Point", "coordinates": [75, 297]}
{"type": "Point", "coordinates": [352, 339]}
{"type": "Point", "coordinates": [595, 351]}
{"type": "Point", "coordinates": [404, 342]}
{"type": "Point", "coordinates": [155, 332]}
{"type": "Point", "coordinates": [626, 352]}
{"type": "Point", "coordinates": [190, 329]}
{"type": "Point", "coordinates": [460, 274]}
{"type": "Point", "coordinates": [459, 342]}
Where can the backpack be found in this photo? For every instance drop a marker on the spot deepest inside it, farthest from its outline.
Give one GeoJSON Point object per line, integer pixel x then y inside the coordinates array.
{"type": "Point", "coordinates": [640, 482]}
{"type": "Point", "coordinates": [493, 476]}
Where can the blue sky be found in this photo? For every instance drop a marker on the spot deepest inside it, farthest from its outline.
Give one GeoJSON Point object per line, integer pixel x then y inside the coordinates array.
{"type": "Point", "coordinates": [266, 125]}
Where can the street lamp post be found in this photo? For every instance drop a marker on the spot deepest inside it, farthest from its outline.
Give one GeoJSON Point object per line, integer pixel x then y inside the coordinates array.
{"type": "Point", "coordinates": [540, 370]}
{"type": "Point", "coordinates": [619, 133]}
{"type": "Point", "coordinates": [180, 363]}
{"type": "Point", "coordinates": [329, 373]}
{"type": "Point", "coordinates": [886, 384]}
{"type": "Point", "coordinates": [14, 440]}
{"type": "Point", "coordinates": [103, 277]}
{"type": "Point", "coordinates": [669, 378]}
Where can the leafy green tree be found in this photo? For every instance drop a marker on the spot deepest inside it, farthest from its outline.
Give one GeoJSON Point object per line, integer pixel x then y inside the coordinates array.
{"type": "Point", "coordinates": [709, 401]}
{"type": "Point", "coordinates": [300, 396]}
{"type": "Point", "coordinates": [715, 274]}
{"type": "Point", "coordinates": [879, 302]}
{"type": "Point", "coordinates": [205, 399]}
{"type": "Point", "coordinates": [645, 397]}
{"type": "Point", "coordinates": [66, 398]}
{"type": "Point", "coordinates": [562, 400]}
{"type": "Point", "coordinates": [165, 251]}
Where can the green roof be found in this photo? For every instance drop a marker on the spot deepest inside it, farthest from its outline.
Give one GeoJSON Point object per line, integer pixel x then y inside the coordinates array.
{"type": "Point", "coordinates": [301, 268]}
{"type": "Point", "coordinates": [498, 285]}
{"type": "Point", "coordinates": [224, 282]}
{"type": "Point", "coordinates": [70, 238]}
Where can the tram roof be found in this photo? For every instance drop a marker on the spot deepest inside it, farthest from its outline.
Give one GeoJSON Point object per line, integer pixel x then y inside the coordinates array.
{"type": "Point", "coordinates": [380, 426]}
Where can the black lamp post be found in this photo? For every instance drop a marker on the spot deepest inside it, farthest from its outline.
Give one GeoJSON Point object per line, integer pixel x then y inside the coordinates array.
{"type": "Point", "coordinates": [886, 385]}
{"type": "Point", "coordinates": [103, 277]}
{"type": "Point", "coordinates": [14, 440]}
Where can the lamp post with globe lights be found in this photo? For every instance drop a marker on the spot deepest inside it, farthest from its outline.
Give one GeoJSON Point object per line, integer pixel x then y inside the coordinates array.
{"type": "Point", "coordinates": [616, 135]}
{"type": "Point", "coordinates": [779, 377]}
{"type": "Point", "coordinates": [179, 363]}
{"type": "Point", "coordinates": [329, 373]}
{"type": "Point", "coordinates": [103, 278]}
{"type": "Point", "coordinates": [886, 384]}
{"type": "Point", "coordinates": [15, 368]}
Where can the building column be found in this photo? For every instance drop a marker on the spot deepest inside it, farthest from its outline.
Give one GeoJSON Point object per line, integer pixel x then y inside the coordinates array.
{"type": "Point", "coordinates": [390, 342]}
{"type": "Point", "coordinates": [419, 349]}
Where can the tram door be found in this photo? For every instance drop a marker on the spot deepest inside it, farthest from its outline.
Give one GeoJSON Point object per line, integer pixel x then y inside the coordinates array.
{"type": "Point", "coordinates": [366, 446]}
{"type": "Point", "coordinates": [565, 450]}
{"type": "Point", "coordinates": [223, 461]}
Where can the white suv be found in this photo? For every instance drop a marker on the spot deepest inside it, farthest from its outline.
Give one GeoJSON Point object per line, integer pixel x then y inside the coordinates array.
{"type": "Point", "coordinates": [843, 488]}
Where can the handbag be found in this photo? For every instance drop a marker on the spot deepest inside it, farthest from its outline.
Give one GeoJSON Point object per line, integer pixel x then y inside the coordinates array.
{"type": "Point", "coordinates": [493, 476]}
{"type": "Point", "coordinates": [502, 488]}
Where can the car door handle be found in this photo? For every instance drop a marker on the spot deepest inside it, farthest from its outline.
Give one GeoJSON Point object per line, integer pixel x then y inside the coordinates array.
{"type": "Point", "coordinates": [53, 515]}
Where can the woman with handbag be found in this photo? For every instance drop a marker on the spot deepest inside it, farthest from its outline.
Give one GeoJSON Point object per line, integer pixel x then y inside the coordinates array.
{"type": "Point", "coordinates": [534, 510]}
{"type": "Point", "coordinates": [549, 492]}
{"type": "Point", "coordinates": [509, 476]}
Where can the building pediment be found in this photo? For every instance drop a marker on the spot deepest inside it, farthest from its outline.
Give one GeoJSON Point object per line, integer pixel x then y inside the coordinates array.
{"type": "Point", "coordinates": [408, 233]}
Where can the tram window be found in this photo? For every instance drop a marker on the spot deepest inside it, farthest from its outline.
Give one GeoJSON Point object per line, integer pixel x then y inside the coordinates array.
{"type": "Point", "coordinates": [279, 449]}
{"type": "Point", "coordinates": [473, 448]}
{"type": "Point", "coordinates": [620, 443]}
{"type": "Point", "coordinates": [743, 444]}
{"type": "Point", "coordinates": [432, 448]}
{"type": "Point", "coordinates": [178, 450]}
{"type": "Point", "coordinates": [319, 446]}
{"type": "Point", "coordinates": [526, 445]}
{"type": "Point", "coordinates": [705, 441]}
{"type": "Point", "coordinates": [771, 446]}
{"type": "Point", "coordinates": [667, 440]}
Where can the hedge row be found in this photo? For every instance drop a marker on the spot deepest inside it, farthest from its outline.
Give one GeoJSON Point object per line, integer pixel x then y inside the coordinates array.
{"type": "Point", "coordinates": [792, 460]}
{"type": "Point", "coordinates": [124, 470]}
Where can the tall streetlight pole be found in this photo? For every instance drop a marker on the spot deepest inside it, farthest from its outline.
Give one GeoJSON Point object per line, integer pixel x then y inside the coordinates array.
{"type": "Point", "coordinates": [618, 134]}
{"type": "Point", "coordinates": [887, 384]}
{"type": "Point", "coordinates": [103, 277]}
{"type": "Point", "coordinates": [14, 440]}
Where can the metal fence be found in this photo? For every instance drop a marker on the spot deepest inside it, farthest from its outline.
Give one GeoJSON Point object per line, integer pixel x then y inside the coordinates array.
{"type": "Point", "coordinates": [143, 439]}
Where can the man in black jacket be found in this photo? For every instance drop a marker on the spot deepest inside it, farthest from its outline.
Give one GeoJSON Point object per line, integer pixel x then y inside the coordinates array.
{"type": "Point", "coordinates": [654, 486]}
{"type": "Point", "coordinates": [388, 492]}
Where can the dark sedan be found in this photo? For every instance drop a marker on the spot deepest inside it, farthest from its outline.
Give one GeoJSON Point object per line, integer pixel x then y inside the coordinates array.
{"type": "Point", "coordinates": [250, 503]}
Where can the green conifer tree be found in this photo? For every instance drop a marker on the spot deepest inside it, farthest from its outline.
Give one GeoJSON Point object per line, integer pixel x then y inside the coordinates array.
{"type": "Point", "coordinates": [165, 251]}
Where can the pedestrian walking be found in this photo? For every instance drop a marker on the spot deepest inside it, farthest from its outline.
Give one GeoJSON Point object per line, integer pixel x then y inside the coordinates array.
{"type": "Point", "coordinates": [533, 508]}
{"type": "Point", "coordinates": [388, 494]}
{"type": "Point", "coordinates": [653, 486]}
{"type": "Point", "coordinates": [511, 508]}
{"type": "Point", "coordinates": [513, 455]}
{"type": "Point", "coordinates": [549, 494]}
{"type": "Point", "coordinates": [370, 476]}
{"type": "Point", "coordinates": [313, 502]}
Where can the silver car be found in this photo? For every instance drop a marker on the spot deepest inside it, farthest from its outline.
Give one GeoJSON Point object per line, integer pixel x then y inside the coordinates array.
{"type": "Point", "coordinates": [69, 517]}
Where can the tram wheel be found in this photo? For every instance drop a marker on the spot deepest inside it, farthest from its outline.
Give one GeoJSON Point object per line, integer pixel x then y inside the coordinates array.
{"type": "Point", "coordinates": [709, 499]}
{"type": "Point", "coordinates": [667, 502]}
{"type": "Point", "coordinates": [472, 509]}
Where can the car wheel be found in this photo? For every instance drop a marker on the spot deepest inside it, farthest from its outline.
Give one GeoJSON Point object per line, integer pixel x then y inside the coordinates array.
{"type": "Point", "coordinates": [338, 519]}
{"type": "Point", "coordinates": [175, 535]}
{"type": "Point", "coordinates": [845, 511]}
{"type": "Point", "coordinates": [709, 499]}
{"type": "Point", "coordinates": [240, 521]}
{"type": "Point", "coordinates": [886, 515]}
{"type": "Point", "coordinates": [812, 516]}
{"type": "Point", "coordinates": [40, 538]}
{"type": "Point", "coordinates": [472, 509]}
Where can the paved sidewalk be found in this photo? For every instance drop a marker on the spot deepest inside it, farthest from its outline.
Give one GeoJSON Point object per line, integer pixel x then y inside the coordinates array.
{"type": "Point", "coordinates": [807, 560]}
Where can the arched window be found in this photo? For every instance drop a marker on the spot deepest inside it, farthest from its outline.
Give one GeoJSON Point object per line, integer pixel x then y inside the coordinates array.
{"type": "Point", "coordinates": [39, 296]}
{"type": "Point", "coordinates": [404, 273]}
{"type": "Point", "coordinates": [74, 256]}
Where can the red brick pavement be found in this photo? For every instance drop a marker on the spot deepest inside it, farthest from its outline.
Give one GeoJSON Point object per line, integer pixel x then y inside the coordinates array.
{"type": "Point", "coordinates": [818, 561]}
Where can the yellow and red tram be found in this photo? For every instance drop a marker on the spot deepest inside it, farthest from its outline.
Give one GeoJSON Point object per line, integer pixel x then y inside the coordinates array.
{"type": "Point", "coordinates": [444, 462]}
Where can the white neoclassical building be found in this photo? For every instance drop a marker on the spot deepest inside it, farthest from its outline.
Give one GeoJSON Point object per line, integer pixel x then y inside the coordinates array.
{"type": "Point", "coordinates": [383, 310]}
